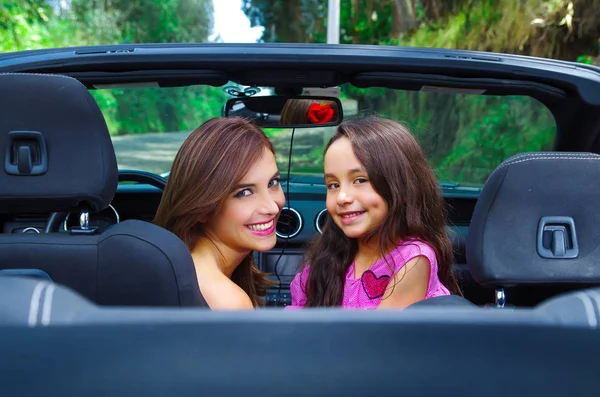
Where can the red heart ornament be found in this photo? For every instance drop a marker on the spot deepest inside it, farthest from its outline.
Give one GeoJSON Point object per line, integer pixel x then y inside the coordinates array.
{"type": "Point", "coordinates": [320, 114]}
{"type": "Point", "coordinates": [374, 286]}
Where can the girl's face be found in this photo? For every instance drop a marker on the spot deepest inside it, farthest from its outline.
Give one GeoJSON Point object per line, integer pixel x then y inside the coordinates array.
{"type": "Point", "coordinates": [248, 217]}
{"type": "Point", "coordinates": [351, 201]}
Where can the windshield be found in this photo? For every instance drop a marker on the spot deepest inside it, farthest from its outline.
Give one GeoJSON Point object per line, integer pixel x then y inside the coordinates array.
{"type": "Point", "coordinates": [465, 136]}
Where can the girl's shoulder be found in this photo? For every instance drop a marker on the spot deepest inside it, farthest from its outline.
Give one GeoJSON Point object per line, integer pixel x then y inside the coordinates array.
{"type": "Point", "coordinates": [405, 251]}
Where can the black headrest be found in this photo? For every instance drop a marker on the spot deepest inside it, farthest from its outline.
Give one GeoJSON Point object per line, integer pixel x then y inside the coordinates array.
{"type": "Point", "coordinates": [537, 221]}
{"type": "Point", "coordinates": [55, 147]}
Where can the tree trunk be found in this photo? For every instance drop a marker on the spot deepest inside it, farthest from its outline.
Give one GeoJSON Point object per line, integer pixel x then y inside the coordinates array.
{"type": "Point", "coordinates": [355, 10]}
{"type": "Point", "coordinates": [403, 17]}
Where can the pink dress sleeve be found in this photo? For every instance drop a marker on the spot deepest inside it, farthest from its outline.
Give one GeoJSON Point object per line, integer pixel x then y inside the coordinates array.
{"type": "Point", "coordinates": [297, 289]}
{"type": "Point", "coordinates": [412, 249]}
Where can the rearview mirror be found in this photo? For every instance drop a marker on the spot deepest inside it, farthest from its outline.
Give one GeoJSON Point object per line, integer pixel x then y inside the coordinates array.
{"type": "Point", "coordinates": [287, 111]}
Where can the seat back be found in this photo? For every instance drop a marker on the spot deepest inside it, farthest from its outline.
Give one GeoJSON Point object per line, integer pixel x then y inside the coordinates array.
{"type": "Point", "coordinates": [57, 156]}
{"type": "Point", "coordinates": [536, 223]}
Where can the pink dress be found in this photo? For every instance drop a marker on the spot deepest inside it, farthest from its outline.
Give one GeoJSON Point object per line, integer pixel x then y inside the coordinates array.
{"type": "Point", "coordinates": [367, 291]}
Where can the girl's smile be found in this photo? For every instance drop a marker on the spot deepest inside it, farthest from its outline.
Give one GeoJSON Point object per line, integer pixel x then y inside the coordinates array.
{"type": "Point", "coordinates": [351, 217]}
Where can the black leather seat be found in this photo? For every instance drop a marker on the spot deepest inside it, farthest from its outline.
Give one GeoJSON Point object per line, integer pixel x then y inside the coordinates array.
{"type": "Point", "coordinates": [57, 156]}
{"type": "Point", "coordinates": [580, 308]}
{"type": "Point", "coordinates": [438, 301]}
{"type": "Point", "coordinates": [537, 224]}
{"type": "Point", "coordinates": [33, 303]}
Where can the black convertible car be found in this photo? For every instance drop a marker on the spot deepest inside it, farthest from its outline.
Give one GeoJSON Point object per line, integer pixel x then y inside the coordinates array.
{"type": "Point", "coordinates": [96, 299]}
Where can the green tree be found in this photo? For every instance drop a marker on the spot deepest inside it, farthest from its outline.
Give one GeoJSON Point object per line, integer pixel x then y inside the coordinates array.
{"type": "Point", "coordinates": [23, 24]}
{"type": "Point", "coordinates": [563, 29]}
{"type": "Point", "coordinates": [148, 21]}
{"type": "Point", "coordinates": [143, 21]}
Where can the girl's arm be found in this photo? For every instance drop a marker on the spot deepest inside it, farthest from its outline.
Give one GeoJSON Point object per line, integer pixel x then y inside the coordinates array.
{"type": "Point", "coordinates": [409, 284]}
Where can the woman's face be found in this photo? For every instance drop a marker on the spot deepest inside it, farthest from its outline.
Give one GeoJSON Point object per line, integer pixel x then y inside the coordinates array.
{"type": "Point", "coordinates": [247, 220]}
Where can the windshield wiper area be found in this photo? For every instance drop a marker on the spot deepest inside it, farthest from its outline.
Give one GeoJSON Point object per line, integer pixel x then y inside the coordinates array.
{"type": "Point", "coordinates": [455, 187]}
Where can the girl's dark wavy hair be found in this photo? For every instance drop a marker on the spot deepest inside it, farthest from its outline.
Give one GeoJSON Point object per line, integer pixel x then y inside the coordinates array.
{"type": "Point", "coordinates": [399, 172]}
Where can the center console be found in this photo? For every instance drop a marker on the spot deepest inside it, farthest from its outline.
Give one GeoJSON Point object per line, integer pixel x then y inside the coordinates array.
{"type": "Point", "coordinates": [281, 268]}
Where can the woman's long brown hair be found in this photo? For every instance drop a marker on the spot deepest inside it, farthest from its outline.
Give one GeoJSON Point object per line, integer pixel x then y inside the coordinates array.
{"type": "Point", "coordinates": [206, 169]}
{"type": "Point", "coordinates": [399, 172]}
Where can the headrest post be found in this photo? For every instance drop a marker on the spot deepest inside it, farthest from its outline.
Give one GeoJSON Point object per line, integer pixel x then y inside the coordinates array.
{"type": "Point", "coordinates": [84, 223]}
{"type": "Point", "coordinates": [500, 297]}
{"type": "Point", "coordinates": [84, 219]}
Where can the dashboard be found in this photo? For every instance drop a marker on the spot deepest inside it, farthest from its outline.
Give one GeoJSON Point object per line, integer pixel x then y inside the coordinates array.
{"type": "Point", "coordinates": [301, 219]}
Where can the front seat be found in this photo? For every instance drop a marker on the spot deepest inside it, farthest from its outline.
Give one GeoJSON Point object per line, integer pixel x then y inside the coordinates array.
{"type": "Point", "coordinates": [537, 224]}
{"type": "Point", "coordinates": [57, 156]}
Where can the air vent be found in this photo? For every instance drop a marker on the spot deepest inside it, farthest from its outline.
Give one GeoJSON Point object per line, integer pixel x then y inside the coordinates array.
{"type": "Point", "coordinates": [320, 220]}
{"type": "Point", "coordinates": [289, 223]}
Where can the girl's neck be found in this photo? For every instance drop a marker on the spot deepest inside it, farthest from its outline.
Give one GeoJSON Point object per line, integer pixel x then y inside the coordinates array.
{"type": "Point", "coordinates": [216, 256]}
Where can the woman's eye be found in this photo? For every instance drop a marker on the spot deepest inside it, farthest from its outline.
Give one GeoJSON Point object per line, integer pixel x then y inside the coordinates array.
{"type": "Point", "coordinates": [243, 193]}
{"type": "Point", "coordinates": [274, 182]}
{"type": "Point", "coordinates": [361, 180]}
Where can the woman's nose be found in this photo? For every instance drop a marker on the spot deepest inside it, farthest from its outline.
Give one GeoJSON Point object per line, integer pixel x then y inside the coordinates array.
{"type": "Point", "coordinates": [272, 204]}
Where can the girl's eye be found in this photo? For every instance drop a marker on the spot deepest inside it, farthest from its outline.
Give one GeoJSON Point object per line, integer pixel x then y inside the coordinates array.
{"type": "Point", "coordinates": [332, 185]}
{"type": "Point", "coordinates": [274, 182]}
{"type": "Point", "coordinates": [243, 193]}
{"type": "Point", "coordinates": [361, 180]}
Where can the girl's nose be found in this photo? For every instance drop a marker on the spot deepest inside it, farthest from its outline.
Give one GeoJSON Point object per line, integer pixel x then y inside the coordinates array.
{"type": "Point", "coordinates": [344, 198]}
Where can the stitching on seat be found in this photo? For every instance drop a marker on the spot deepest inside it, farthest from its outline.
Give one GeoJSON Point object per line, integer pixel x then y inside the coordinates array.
{"type": "Point", "coordinates": [44, 75]}
{"type": "Point", "coordinates": [34, 304]}
{"type": "Point", "coordinates": [547, 157]}
{"type": "Point", "coordinates": [47, 306]}
{"type": "Point", "coordinates": [38, 74]}
{"type": "Point", "coordinates": [588, 305]}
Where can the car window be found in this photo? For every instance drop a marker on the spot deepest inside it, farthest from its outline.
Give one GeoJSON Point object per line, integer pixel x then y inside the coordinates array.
{"type": "Point", "coordinates": [464, 135]}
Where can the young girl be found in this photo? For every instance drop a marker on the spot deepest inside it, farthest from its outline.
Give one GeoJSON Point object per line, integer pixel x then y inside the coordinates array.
{"type": "Point", "coordinates": [385, 244]}
{"type": "Point", "coordinates": [223, 200]}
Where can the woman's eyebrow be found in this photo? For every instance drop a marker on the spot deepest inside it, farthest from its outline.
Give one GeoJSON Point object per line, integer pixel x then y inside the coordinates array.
{"type": "Point", "coordinates": [247, 185]}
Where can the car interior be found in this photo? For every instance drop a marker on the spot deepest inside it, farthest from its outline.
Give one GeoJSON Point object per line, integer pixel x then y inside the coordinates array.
{"type": "Point", "coordinates": [87, 273]}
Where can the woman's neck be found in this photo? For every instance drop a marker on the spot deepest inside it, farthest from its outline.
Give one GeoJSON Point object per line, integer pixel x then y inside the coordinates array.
{"type": "Point", "coordinates": [217, 256]}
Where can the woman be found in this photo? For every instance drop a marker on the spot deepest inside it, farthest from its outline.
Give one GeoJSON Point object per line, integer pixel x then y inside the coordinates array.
{"type": "Point", "coordinates": [223, 200]}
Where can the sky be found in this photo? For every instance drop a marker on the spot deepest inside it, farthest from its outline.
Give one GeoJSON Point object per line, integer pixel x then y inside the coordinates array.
{"type": "Point", "coordinates": [231, 24]}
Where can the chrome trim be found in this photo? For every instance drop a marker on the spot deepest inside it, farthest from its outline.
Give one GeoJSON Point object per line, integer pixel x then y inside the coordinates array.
{"type": "Point", "coordinates": [84, 219]}
{"type": "Point", "coordinates": [117, 217]}
{"type": "Point", "coordinates": [30, 228]}
{"type": "Point", "coordinates": [295, 233]}
{"type": "Point", "coordinates": [318, 218]}
{"type": "Point", "coordinates": [500, 297]}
